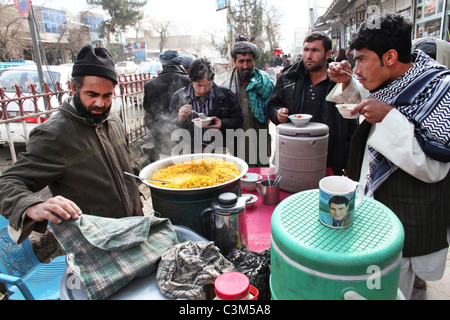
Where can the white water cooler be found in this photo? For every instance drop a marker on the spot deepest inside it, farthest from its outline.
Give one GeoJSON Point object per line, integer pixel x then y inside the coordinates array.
{"type": "Point", "coordinates": [301, 155]}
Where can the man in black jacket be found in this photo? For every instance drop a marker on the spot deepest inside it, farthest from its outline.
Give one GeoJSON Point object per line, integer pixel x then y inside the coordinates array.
{"type": "Point", "coordinates": [303, 89]}
{"type": "Point", "coordinates": [157, 95]}
{"type": "Point", "coordinates": [204, 96]}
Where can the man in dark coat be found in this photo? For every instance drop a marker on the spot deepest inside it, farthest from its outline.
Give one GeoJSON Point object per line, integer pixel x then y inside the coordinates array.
{"type": "Point", "coordinates": [203, 95]}
{"type": "Point", "coordinates": [157, 95]}
{"type": "Point", "coordinates": [80, 153]}
{"type": "Point", "coordinates": [303, 88]}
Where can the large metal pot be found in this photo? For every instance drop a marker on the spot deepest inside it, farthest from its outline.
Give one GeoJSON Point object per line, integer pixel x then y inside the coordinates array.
{"type": "Point", "coordinates": [184, 206]}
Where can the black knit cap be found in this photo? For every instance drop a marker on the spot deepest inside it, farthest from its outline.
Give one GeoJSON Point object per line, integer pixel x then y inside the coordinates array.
{"type": "Point", "coordinates": [95, 62]}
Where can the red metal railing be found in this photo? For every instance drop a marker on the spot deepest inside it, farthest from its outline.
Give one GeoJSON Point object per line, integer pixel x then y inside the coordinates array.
{"type": "Point", "coordinates": [20, 108]}
{"type": "Point", "coordinates": [34, 108]}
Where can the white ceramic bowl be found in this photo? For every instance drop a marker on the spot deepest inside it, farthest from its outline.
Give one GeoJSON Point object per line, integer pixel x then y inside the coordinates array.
{"type": "Point", "coordinates": [300, 119]}
{"type": "Point", "coordinates": [248, 181]}
{"type": "Point", "coordinates": [252, 200]}
{"type": "Point", "coordinates": [345, 110]}
{"type": "Point", "coordinates": [202, 122]}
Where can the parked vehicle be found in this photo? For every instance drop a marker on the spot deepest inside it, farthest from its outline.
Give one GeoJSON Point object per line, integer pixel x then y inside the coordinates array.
{"type": "Point", "coordinates": [151, 67]}
{"type": "Point", "coordinates": [17, 63]}
{"type": "Point", "coordinates": [126, 67]}
{"type": "Point", "coordinates": [24, 77]}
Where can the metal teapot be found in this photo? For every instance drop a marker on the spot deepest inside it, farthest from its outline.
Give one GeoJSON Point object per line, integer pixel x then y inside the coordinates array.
{"type": "Point", "coordinates": [228, 222]}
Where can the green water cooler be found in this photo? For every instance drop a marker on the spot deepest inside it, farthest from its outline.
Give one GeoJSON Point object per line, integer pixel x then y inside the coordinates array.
{"type": "Point", "coordinates": [312, 261]}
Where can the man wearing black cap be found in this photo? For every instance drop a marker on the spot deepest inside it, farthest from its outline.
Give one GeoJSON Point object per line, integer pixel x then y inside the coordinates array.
{"type": "Point", "coordinates": [80, 153]}
{"type": "Point", "coordinates": [158, 93]}
{"type": "Point", "coordinates": [253, 87]}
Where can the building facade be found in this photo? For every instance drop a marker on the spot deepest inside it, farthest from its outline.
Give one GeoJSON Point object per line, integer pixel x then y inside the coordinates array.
{"type": "Point", "coordinates": [430, 18]}
{"type": "Point", "coordinates": [59, 34]}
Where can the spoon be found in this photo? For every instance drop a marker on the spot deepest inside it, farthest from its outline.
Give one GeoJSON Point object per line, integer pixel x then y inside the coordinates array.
{"type": "Point", "coordinates": [277, 180]}
{"type": "Point", "coordinates": [350, 74]}
{"type": "Point", "coordinates": [200, 115]}
{"type": "Point", "coordinates": [145, 179]}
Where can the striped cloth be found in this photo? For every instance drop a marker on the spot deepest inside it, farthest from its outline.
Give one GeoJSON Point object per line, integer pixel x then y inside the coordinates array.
{"type": "Point", "coordinates": [108, 253]}
{"type": "Point", "coordinates": [201, 104]}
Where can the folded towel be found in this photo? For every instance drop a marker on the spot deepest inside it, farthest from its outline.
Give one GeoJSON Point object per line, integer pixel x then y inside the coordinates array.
{"type": "Point", "coordinates": [109, 253]}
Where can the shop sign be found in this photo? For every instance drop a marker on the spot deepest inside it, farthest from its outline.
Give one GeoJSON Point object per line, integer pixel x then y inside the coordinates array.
{"type": "Point", "coordinates": [430, 7]}
{"type": "Point", "coordinates": [23, 6]}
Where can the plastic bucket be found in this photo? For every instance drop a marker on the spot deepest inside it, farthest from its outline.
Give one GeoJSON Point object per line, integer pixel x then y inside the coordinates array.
{"type": "Point", "coordinates": [301, 155]}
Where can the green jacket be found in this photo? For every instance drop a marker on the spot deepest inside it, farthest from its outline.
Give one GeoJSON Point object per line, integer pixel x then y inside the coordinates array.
{"type": "Point", "coordinates": [77, 160]}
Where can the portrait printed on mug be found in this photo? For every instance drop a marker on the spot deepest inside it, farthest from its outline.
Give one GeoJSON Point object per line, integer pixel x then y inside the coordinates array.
{"type": "Point", "coordinates": [336, 211]}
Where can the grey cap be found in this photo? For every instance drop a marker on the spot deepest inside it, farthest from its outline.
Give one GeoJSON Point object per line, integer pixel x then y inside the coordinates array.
{"type": "Point", "coordinates": [170, 57]}
{"type": "Point", "coordinates": [244, 47]}
{"type": "Point", "coordinates": [187, 60]}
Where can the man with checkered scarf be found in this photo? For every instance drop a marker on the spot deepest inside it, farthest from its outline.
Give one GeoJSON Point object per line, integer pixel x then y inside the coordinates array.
{"type": "Point", "coordinates": [401, 150]}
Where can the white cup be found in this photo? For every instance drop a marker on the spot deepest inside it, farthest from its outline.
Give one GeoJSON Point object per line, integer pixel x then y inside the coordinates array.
{"type": "Point", "coordinates": [339, 197]}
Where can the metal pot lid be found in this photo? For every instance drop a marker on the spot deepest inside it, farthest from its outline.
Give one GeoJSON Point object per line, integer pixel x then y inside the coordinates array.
{"type": "Point", "coordinates": [228, 204]}
{"type": "Point", "coordinates": [311, 129]}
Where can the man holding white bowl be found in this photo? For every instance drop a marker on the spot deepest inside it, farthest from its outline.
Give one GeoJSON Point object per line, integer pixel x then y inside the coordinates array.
{"type": "Point", "coordinates": [401, 151]}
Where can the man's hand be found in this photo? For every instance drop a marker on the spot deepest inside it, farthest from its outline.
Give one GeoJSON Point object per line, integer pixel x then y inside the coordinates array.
{"type": "Point", "coordinates": [217, 123]}
{"type": "Point", "coordinates": [54, 209]}
{"type": "Point", "coordinates": [338, 76]}
{"type": "Point", "coordinates": [373, 110]}
{"type": "Point", "coordinates": [184, 112]}
{"type": "Point", "coordinates": [283, 115]}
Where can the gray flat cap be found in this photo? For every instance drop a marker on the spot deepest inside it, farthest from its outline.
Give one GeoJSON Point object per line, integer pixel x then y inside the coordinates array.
{"type": "Point", "coordinates": [244, 47]}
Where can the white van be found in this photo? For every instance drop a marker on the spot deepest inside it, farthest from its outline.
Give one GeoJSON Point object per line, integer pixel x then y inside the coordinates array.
{"type": "Point", "coordinates": [24, 76]}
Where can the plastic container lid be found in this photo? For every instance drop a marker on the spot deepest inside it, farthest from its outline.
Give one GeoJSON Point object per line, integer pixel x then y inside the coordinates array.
{"type": "Point", "coordinates": [375, 238]}
{"type": "Point", "coordinates": [311, 129]}
{"type": "Point", "coordinates": [232, 286]}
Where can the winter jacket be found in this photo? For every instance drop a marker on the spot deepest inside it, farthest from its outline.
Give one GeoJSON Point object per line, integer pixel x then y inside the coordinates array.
{"type": "Point", "coordinates": [225, 107]}
{"type": "Point", "coordinates": [288, 93]}
{"type": "Point", "coordinates": [158, 93]}
{"type": "Point", "coordinates": [77, 160]}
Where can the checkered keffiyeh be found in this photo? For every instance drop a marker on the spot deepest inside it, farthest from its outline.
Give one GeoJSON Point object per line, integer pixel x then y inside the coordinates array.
{"type": "Point", "coordinates": [185, 269]}
{"type": "Point", "coordinates": [109, 253]}
{"type": "Point", "coordinates": [422, 95]}
{"type": "Point", "coordinates": [380, 168]}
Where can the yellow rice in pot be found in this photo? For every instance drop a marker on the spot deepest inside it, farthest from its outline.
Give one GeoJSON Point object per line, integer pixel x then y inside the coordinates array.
{"type": "Point", "coordinates": [197, 174]}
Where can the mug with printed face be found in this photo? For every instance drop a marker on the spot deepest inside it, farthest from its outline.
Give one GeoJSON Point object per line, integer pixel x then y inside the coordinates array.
{"type": "Point", "coordinates": [339, 197]}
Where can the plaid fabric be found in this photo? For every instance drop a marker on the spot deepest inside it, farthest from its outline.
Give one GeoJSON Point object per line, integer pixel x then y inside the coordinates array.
{"type": "Point", "coordinates": [108, 253]}
{"type": "Point", "coordinates": [259, 91]}
{"type": "Point", "coordinates": [185, 269]}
